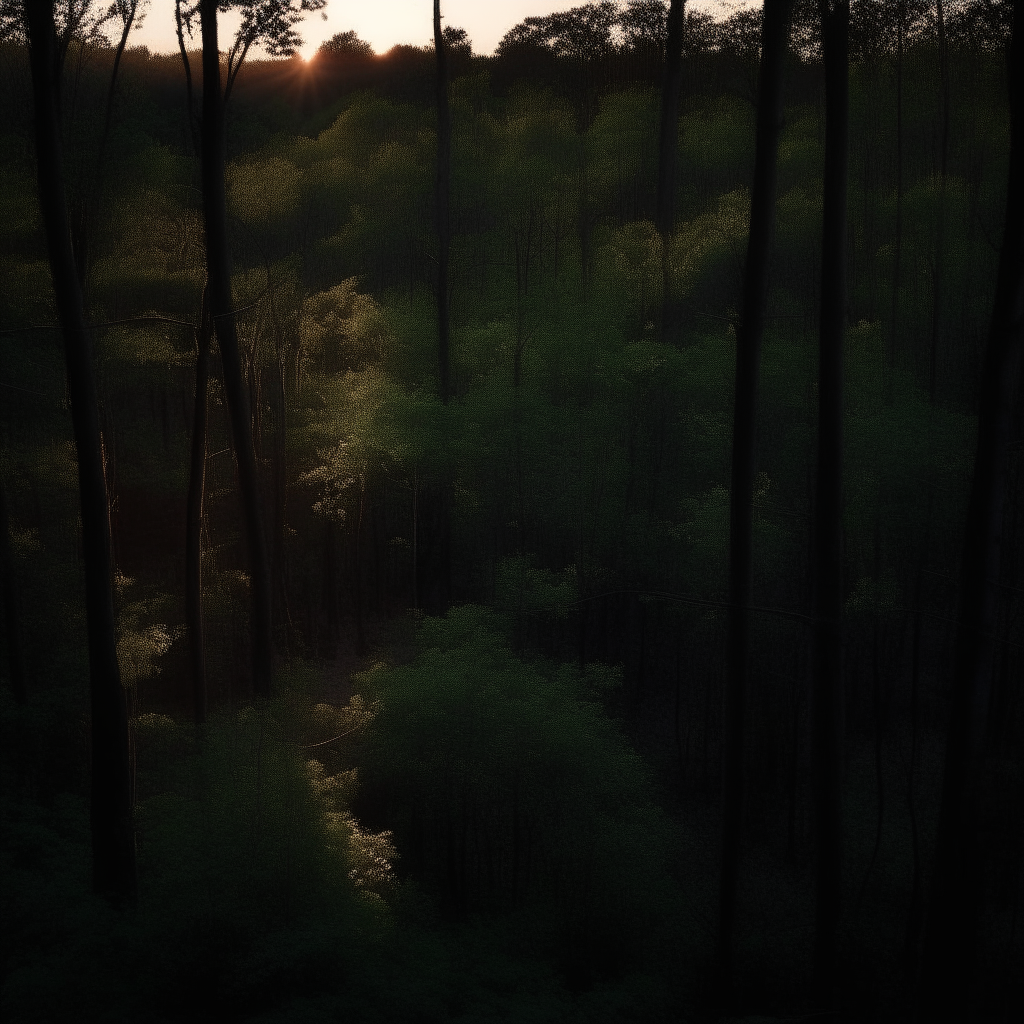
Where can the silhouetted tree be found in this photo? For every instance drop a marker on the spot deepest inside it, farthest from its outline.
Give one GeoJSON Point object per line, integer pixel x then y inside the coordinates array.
{"type": "Point", "coordinates": [749, 332]}
{"type": "Point", "coordinates": [443, 190]}
{"type": "Point", "coordinates": [270, 23]}
{"type": "Point", "coordinates": [667, 146]}
{"type": "Point", "coordinates": [827, 745]}
{"type": "Point", "coordinates": [944, 990]}
{"type": "Point", "coordinates": [344, 46]}
{"type": "Point", "coordinates": [113, 840]}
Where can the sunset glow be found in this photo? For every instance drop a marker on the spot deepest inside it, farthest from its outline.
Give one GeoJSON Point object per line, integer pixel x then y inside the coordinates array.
{"type": "Point", "coordinates": [385, 23]}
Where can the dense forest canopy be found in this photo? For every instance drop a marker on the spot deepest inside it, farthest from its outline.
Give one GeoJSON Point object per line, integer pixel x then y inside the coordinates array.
{"type": "Point", "coordinates": [409, 416]}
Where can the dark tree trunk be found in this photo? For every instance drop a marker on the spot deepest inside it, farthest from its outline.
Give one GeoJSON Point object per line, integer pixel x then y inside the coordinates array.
{"type": "Point", "coordinates": [950, 934]}
{"type": "Point", "coordinates": [190, 110]}
{"type": "Point", "coordinates": [670, 116]}
{"type": "Point", "coordinates": [113, 839]}
{"type": "Point", "coordinates": [667, 146]}
{"type": "Point", "coordinates": [442, 585]}
{"type": "Point", "coordinates": [218, 268]}
{"type": "Point", "coordinates": [444, 173]}
{"type": "Point", "coordinates": [194, 517]}
{"type": "Point", "coordinates": [748, 358]}
{"type": "Point", "coordinates": [938, 267]}
{"type": "Point", "coordinates": [898, 254]}
{"type": "Point", "coordinates": [827, 728]}
{"type": "Point", "coordinates": [12, 617]}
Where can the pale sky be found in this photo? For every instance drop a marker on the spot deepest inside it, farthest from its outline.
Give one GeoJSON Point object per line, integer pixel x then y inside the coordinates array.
{"type": "Point", "coordinates": [383, 23]}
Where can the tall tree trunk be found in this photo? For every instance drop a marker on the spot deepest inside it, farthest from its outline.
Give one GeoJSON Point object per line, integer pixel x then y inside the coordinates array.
{"type": "Point", "coordinates": [442, 586]}
{"type": "Point", "coordinates": [950, 934]}
{"type": "Point", "coordinates": [218, 268]}
{"type": "Point", "coordinates": [898, 253]}
{"type": "Point", "coordinates": [667, 147]}
{"type": "Point", "coordinates": [190, 110]}
{"type": "Point", "coordinates": [938, 268]}
{"type": "Point", "coordinates": [827, 727]}
{"type": "Point", "coordinates": [194, 517]}
{"type": "Point", "coordinates": [444, 173]}
{"type": "Point", "coordinates": [12, 617]}
{"type": "Point", "coordinates": [774, 38]}
{"type": "Point", "coordinates": [113, 839]}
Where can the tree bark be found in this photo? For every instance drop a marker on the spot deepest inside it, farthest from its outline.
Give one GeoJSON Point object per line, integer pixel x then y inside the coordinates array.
{"type": "Point", "coordinates": [443, 190]}
{"type": "Point", "coordinates": [113, 839]}
{"type": "Point", "coordinates": [898, 254]}
{"type": "Point", "coordinates": [667, 147]}
{"type": "Point", "coordinates": [218, 268]}
{"type": "Point", "coordinates": [194, 517]}
{"type": "Point", "coordinates": [827, 728]}
{"type": "Point", "coordinates": [748, 357]}
{"type": "Point", "coordinates": [950, 944]}
{"type": "Point", "coordinates": [442, 587]}
{"type": "Point", "coordinates": [939, 264]}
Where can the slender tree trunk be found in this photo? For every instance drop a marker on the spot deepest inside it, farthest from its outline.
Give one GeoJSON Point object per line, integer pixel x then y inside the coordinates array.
{"type": "Point", "coordinates": [775, 33]}
{"type": "Point", "coordinates": [219, 290]}
{"type": "Point", "coordinates": [442, 586]}
{"type": "Point", "coordinates": [194, 517]}
{"type": "Point", "coordinates": [443, 190]}
{"type": "Point", "coordinates": [190, 110]}
{"type": "Point", "coordinates": [898, 254]}
{"type": "Point", "coordinates": [950, 936]}
{"type": "Point", "coordinates": [12, 616]}
{"type": "Point", "coordinates": [938, 269]}
{"type": "Point", "coordinates": [667, 151]}
{"type": "Point", "coordinates": [827, 727]}
{"type": "Point", "coordinates": [113, 840]}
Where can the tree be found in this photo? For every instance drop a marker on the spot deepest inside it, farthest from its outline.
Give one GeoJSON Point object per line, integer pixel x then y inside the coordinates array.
{"type": "Point", "coordinates": [345, 46]}
{"type": "Point", "coordinates": [827, 556]}
{"type": "Point", "coordinates": [443, 190]}
{"type": "Point", "coordinates": [270, 23]}
{"type": "Point", "coordinates": [667, 145]}
{"type": "Point", "coordinates": [938, 264]}
{"type": "Point", "coordinates": [579, 38]}
{"type": "Point", "coordinates": [741, 502]}
{"type": "Point", "coordinates": [130, 13]}
{"type": "Point", "coordinates": [113, 840]}
{"type": "Point", "coordinates": [443, 297]}
{"type": "Point", "coordinates": [944, 989]}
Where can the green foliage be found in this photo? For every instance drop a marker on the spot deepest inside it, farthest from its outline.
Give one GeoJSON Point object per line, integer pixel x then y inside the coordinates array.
{"type": "Point", "coordinates": [517, 765]}
{"type": "Point", "coordinates": [262, 190]}
{"type": "Point", "coordinates": [585, 461]}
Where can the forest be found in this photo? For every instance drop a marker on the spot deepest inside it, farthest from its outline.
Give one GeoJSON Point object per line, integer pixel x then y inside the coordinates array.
{"type": "Point", "coordinates": [533, 537]}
